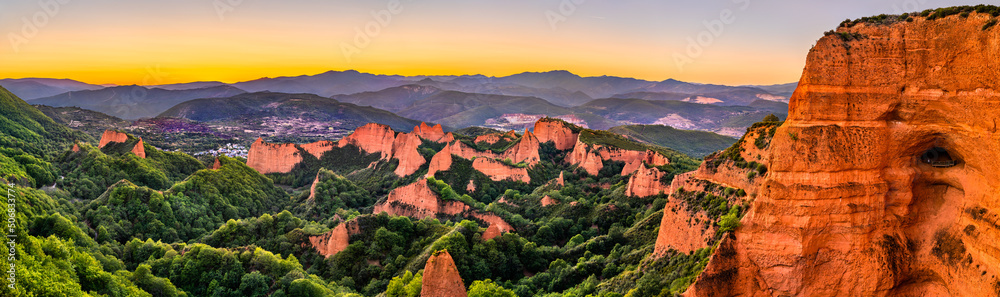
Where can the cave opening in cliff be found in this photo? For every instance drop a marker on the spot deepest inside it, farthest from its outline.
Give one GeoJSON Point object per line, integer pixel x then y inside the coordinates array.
{"type": "Point", "coordinates": [938, 157]}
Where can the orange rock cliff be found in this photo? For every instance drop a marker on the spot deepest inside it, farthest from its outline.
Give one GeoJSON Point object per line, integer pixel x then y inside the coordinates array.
{"type": "Point", "coordinates": [441, 278]}
{"type": "Point", "coordinates": [417, 200]}
{"type": "Point", "coordinates": [110, 136]}
{"type": "Point", "coordinates": [371, 138]}
{"type": "Point", "coordinates": [850, 206]}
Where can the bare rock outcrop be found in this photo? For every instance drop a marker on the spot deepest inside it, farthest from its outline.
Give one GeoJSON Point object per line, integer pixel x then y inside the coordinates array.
{"type": "Point", "coordinates": [441, 161]}
{"type": "Point", "coordinates": [216, 165]}
{"type": "Point", "coordinates": [404, 149]}
{"type": "Point", "coordinates": [646, 182]}
{"type": "Point", "coordinates": [76, 147]}
{"type": "Point", "coordinates": [435, 133]}
{"type": "Point", "coordinates": [272, 157]}
{"type": "Point", "coordinates": [586, 158]}
{"type": "Point", "coordinates": [682, 230]}
{"type": "Point", "coordinates": [371, 138]}
{"type": "Point", "coordinates": [332, 242]}
{"type": "Point", "coordinates": [441, 277]}
{"type": "Point", "coordinates": [850, 205]}
{"type": "Point", "coordinates": [417, 200]}
{"type": "Point", "coordinates": [139, 149]}
{"type": "Point", "coordinates": [556, 131]}
{"type": "Point", "coordinates": [493, 231]}
{"type": "Point", "coordinates": [336, 240]}
{"type": "Point", "coordinates": [110, 136]}
{"type": "Point", "coordinates": [547, 201]}
{"type": "Point", "coordinates": [499, 171]}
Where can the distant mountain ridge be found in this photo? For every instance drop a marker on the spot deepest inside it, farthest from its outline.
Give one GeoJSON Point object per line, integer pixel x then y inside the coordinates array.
{"type": "Point", "coordinates": [34, 88]}
{"type": "Point", "coordinates": [133, 102]}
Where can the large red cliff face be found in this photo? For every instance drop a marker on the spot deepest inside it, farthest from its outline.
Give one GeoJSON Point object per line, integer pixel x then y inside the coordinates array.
{"type": "Point", "coordinates": [271, 157]}
{"type": "Point", "coordinates": [646, 182]}
{"type": "Point", "coordinates": [848, 208]}
{"type": "Point", "coordinates": [371, 138]}
{"type": "Point", "coordinates": [404, 148]}
{"type": "Point", "coordinates": [590, 158]}
{"type": "Point", "coordinates": [441, 278]}
{"type": "Point", "coordinates": [679, 230]}
{"type": "Point", "coordinates": [557, 132]}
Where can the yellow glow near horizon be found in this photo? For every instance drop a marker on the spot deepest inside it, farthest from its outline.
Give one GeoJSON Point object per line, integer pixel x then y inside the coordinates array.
{"type": "Point", "coordinates": [248, 49]}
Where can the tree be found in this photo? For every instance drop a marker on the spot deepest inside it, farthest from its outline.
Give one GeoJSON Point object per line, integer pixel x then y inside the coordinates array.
{"type": "Point", "coordinates": [487, 288]}
{"type": "Point", "coordinates": [255, 284]}
{"type": "Point", "coordinates": [771, 118]}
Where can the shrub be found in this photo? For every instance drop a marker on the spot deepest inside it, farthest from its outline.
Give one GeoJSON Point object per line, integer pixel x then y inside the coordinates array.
{"type": "Point", "coordinates": [989, 24]}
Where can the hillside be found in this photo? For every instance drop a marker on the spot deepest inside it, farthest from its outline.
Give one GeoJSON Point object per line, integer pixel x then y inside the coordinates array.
{"type": "Point", "coordinates": [458, 109]}
{"type": "Point", "coordinates": [257, 107]}
{"type": "Point", "coordinates": [91, 122]}
{"type": "Point", "coordinates": [34, 88]}
{"type": "Point", "coordinates": [692, 143]}
{"type": "Point", "coordinates": [133, 102]}
{"type": "Point", "coordinates": [725, 120]}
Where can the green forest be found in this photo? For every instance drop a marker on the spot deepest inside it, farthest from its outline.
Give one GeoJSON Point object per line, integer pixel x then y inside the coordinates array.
{"type": "Point", "coordinates": [104, 222]}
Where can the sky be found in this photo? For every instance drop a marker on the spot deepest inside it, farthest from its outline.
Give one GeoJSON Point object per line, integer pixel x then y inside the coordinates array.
{"type": "Point", "coordinates": [151, 42]}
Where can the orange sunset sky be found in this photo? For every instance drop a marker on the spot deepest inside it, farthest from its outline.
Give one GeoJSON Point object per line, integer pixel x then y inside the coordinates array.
{"type": "Point", "coordinates": [161, 42]}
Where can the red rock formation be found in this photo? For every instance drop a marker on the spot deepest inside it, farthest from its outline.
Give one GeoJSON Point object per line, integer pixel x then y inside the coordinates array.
{"type": "Point", "coordinates": [471, 187]}
{"type": "Point", "coordinates": [335, 240]}
{"type": "Point", "coordinates": [448, 138]}
{"type": "Point", "coordinates": [492, 232]}
{"type": "Point", "coordinates": [586, 158]}
{"type": "Point", "coordinates": [371, 138]}
{"type": "Point", "coordinates": [139, 149]}
{"type": "Point", "coordinates": [332, 242]}
{"type": "Point", "coordinates": [112, 136]}
{"type": "Point", "coordinates": [848, 208]}
{"type": "Point", "coordinates": [556, 131]}
{"type": "Point", "coordinates": [499, 171]}
{"type": "Point", "coordinates": [404, 148]}
{"type": "Point", "coordinates": [435, 133]}
{"type": "Point", "coordinates": [488, 138]}
{"type": "Point", "coordinates": [216, 165]}
{"type": "Point", "coordinates": [681, 229]}
{"type": "Point", "coordinates": [560, 180]}
{"type": "Point", "coordinates": [646, 182]}
{"type": "Point", "coordinates": [272, 158]}
{"type": "Point", "coordinates": [547, 201]}
{"type": "Point", "coordinates": [441, 161]}
{"type": "Point", "coordinates": [526, 150]}
{"type": "Point", "coordinates": [318, 148]}
{"type": "Point", "coordinates": [76, 147]}
{"type": "Point", "coordinates": [441, 277]}
{"type": "Point", "coordinates": [417, 200]}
